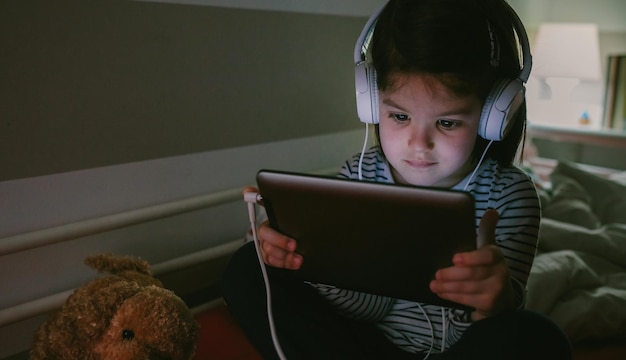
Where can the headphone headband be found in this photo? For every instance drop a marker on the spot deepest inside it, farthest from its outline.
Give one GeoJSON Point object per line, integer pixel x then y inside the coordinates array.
{"type": "Point", "coordinates": [363, 42]}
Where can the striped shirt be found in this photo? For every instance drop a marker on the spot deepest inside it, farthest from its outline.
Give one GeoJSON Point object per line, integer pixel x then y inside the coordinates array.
{"type": "Point", "coordinates": [417, 327]}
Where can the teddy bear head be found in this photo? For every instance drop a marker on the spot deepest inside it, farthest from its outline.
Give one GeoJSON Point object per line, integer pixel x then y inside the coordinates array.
{"type": "Point", "coordinates": [124, 315]}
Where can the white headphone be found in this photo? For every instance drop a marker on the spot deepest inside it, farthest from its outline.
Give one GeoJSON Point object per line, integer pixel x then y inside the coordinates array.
{"type": "Point", "coordinates": [501, 104]}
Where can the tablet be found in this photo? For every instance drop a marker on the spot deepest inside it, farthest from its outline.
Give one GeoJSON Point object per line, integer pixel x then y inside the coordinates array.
{"type": "Point", "coordinates": [371, 237]}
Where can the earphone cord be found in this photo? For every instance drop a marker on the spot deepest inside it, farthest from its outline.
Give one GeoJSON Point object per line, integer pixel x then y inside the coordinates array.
{"type": "Point", "coordinates": [482, 157]}
{"type": "Point", "coordinates": [444, 324]}
{"type": "Point", "coordinates": [360, 171]}
{"type": "Point", "coordinates": [257, 245]}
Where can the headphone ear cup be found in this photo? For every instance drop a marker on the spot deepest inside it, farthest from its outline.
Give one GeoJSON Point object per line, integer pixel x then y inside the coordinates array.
{"type": "Point", "coordinates": [502, 103]}
{"type": "Point", "coordinates": [366, 93]}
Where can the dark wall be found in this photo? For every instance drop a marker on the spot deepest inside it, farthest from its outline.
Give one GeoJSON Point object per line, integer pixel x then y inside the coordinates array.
{"type": "Point", "coordinates": [101, 82]}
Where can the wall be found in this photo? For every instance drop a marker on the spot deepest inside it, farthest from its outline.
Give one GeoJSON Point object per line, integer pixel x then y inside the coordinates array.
{"type": "Point", "coordinates": [361, 8]}
{"type": "Point", "coordinates": [608, 14]}
{"type": "Point", "coordinates": [108, 106]}
{"type": "Point", "coordinates": [88, 84]}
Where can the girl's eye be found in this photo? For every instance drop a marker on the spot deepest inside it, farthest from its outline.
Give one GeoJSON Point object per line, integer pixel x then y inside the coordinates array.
{"type": "Point", "coordinates": [447, 124]}
{"type": "Point", "coordinates": [400, 117]}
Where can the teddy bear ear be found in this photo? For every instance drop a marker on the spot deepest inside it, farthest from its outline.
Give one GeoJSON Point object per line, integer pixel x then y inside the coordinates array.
{"type": "Point", "coordinates": [114, 264]}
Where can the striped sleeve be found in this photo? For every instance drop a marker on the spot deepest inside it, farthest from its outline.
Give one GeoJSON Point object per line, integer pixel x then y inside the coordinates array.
{"type": "Point", "coordinates": [512, 193]}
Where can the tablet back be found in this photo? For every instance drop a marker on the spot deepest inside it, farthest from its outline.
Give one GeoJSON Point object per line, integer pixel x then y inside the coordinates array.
{"type": "Point", "coordinates": [371, 237]}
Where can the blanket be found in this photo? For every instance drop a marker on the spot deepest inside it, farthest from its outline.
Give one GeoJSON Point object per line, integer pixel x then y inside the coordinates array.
{"type": "Point", "coordinates": [579, 274]}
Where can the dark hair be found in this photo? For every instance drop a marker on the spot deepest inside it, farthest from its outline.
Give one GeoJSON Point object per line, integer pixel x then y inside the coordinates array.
{"type": "Point", "coordinates": [465, 44]}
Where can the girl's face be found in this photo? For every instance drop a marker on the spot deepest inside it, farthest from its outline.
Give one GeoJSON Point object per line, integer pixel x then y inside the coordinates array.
{"type": "Point", "coordinates": [427, 132]}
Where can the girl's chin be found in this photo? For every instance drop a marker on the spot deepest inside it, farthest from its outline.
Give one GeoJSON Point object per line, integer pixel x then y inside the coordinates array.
{"type": "Point", "coordinates": [416, 181]}
{"type": "Point", "coordinates": [422, 181]}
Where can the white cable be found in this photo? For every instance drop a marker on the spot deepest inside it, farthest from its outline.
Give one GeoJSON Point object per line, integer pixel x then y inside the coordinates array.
{"type": "Point", "coordinates": [363, 151]}
{"type": "Point", "coordinates": [432, 331]}
{"type": "Point", "coordinates": [252, 198]}
{"type": "Point", "coordinates": [477, 165]}
{"type": "Point", "coordinates": [444, 325]}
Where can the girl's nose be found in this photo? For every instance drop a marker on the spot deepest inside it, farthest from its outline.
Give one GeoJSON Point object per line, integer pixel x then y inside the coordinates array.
{"type": "Point", "coordinates": [421, 139]}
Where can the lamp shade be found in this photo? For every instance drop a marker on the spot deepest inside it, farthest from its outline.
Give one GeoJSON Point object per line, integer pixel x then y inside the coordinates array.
{"type": "Point", "coordinates": [567, 50]}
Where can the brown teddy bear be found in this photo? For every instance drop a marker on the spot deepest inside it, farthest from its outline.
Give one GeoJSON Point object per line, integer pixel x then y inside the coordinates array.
{"type": "Point", "coordinates": [126, 315]}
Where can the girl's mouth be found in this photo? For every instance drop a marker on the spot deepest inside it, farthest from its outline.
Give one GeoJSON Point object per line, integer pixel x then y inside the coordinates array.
{"type": "Point", "coordinates": [420, 164]}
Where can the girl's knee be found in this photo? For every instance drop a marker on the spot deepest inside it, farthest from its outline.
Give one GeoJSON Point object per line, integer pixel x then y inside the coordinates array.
{"type": "Point", "coordinates": [519, 334]}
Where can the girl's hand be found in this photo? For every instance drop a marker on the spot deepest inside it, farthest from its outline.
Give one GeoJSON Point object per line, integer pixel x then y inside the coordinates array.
{"type": "Point", "coordinates": [277, 249]}
{"type": "Point", "coordinates": [479, 278]}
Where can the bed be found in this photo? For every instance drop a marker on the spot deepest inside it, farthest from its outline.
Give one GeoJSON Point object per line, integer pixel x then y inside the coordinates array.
{"type": "Point", "coordinates": [579, 275]}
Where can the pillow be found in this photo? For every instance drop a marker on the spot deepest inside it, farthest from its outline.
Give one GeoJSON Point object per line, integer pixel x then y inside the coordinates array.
{"type": "Point", "coordinates": [608, 198]}
{"type": "Point", "coordinates": [572, 204]}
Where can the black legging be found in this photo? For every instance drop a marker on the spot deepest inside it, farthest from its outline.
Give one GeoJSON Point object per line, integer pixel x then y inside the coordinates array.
{"type": "Point", "coordinates": [308, 328]}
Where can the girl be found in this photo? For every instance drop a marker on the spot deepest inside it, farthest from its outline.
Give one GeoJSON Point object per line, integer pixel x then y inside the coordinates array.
{"type": "Point", "coordinates": [437, 64]}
